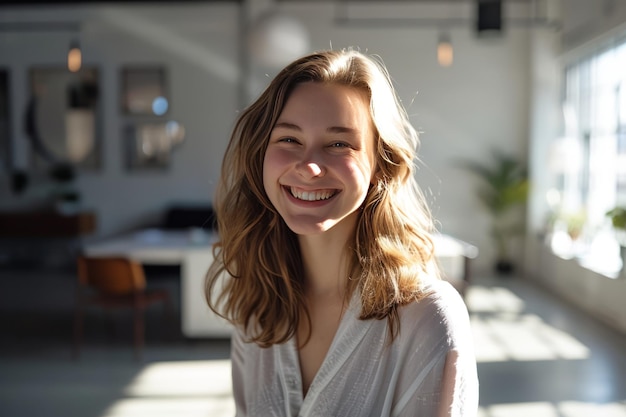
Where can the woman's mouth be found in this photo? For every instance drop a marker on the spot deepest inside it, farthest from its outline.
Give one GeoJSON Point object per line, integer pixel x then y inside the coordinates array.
{"type": "Point", "coordinates": [314, 195]}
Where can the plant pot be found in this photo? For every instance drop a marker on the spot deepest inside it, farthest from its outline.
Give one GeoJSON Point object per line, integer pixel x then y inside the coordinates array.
{"type": "Point", "coordinates": [504, 268]}
{"type": "Point", "coordinates": [67, 207]}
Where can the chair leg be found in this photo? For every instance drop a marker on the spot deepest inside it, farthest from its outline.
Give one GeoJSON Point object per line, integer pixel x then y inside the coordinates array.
{"type": "Point", "coordinates": [169, 321]}
{"type": "Point", "coordinates": [78, 328]}
{"type": "Point", "coordinates": [139, 331]}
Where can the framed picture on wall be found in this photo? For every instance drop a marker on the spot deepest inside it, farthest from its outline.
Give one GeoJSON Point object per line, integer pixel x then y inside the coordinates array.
{"type": "Point", "coordinates": [63, 118]}
{"type": "Point", "coordinates": [149, 145]}
{"type": "Point", "coordinates": [144, 91]}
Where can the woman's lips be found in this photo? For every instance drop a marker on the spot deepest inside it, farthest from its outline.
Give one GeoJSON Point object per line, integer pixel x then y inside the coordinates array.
{"type": "Point", "coordinates": [311, 195]}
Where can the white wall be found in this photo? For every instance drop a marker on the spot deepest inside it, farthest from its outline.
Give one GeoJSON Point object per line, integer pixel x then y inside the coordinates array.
{"type": "Point", "coordinates": [545, 124]}
{"type": "Point", "coordinates": [198, 47]}
{"type": "Point", "coordinates": [602, 297]}
{"type": "Point", "coordinates": [480, 103]}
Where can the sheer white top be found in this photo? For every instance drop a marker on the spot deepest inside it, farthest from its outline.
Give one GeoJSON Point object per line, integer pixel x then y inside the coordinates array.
{"type": "Point", "coordinates": [428, 371]}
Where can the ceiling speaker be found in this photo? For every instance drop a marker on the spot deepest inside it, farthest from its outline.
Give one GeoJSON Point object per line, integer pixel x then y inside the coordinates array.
{"type": "Point", "coordinates": [489, 16]}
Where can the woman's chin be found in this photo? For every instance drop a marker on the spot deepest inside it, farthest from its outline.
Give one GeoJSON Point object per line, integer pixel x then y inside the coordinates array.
{"type": "Point", "coordinates": [304, 225]}
{"type": "Point", "coordinates": [310, 229]}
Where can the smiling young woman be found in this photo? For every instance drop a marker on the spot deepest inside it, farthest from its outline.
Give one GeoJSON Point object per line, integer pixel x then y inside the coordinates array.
{"type": "Point", "coordinates": [320, 162]}
{"type": "Point", "coordinates": [334, 292]}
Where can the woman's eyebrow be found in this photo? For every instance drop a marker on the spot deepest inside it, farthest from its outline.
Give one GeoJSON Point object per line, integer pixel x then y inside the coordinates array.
{"type": "Point", "coordinates": [286, 125]}
{"type": "Point", "coordinates": [331, 129]}
{"type": "Point", "coordinates": [341, 129]}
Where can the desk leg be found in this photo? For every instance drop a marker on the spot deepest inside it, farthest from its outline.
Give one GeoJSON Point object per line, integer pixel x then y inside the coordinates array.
{"type": "Point", "coordinates": [197, 318]}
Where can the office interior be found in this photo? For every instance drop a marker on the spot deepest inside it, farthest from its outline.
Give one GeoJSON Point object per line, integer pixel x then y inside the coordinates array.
{"type": "Point", "coordinates": [140, 97]}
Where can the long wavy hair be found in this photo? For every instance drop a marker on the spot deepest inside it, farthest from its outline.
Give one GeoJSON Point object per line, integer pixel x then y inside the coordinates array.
{"type": "Point", "coordinates": [391, 251]}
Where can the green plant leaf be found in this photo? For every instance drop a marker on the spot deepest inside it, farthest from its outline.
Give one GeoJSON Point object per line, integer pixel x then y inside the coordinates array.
{"type": "Point", "coordinates": [504, 185]}
{"type": "Point", "coordinates": [618, 217]}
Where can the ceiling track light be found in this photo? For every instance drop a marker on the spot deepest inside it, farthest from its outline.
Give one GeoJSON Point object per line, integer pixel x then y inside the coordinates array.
{"type": "Point", "coordinates": [74, 56]}
{"type": "Point", "coordinates": [445, 52]}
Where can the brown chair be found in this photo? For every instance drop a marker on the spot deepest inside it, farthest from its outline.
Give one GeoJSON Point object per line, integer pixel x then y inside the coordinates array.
{"type": "Point", "coordinates": [114, 283]}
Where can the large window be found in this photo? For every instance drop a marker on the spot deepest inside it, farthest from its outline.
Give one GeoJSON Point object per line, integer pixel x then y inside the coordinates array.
{"type": "Point", "coordinates": [588, 162]}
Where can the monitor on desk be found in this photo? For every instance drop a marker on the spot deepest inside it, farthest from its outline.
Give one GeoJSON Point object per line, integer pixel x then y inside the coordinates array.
{"type": "Point", "coordinates": [190, 216]}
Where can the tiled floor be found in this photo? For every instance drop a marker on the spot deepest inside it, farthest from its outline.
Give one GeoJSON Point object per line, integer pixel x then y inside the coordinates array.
{"type": "Point", "coordinates": [538, 357]}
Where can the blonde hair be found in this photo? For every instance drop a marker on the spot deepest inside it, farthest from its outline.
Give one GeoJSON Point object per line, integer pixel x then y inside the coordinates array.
{"type": "Point", "coordinates": [392, 249]}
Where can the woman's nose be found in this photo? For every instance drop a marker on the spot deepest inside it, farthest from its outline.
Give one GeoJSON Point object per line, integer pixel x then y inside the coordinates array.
{"type": "Point", "coordinates": [310, 169]}
{"type": "Point", "coordinates": [314, 168]}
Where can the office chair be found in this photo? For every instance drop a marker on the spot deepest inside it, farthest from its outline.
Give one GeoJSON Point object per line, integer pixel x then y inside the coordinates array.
{"type": "Point", "coordinates": [114, 283]}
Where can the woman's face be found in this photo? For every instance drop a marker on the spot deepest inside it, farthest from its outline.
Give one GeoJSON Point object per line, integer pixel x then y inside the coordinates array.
{"type": "Point", "coordinates": [320, 158]}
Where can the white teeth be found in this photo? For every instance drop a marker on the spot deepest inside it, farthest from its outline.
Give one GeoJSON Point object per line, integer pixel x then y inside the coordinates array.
{"type": "Point", "coordinates": [312, 195]}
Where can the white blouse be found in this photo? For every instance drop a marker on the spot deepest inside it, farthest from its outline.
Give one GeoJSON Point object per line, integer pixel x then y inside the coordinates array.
{"type": "Point", "coordinates": [428, 371]}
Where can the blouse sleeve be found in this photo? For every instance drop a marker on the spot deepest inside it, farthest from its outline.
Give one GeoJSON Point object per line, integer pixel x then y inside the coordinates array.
{"type": "Point", "coordinates": [459, 386]}
{"type": "Point", "coordinates": [237, 357]}
{"type": "Point", "coordinates": [459, 381]}
{"type": "Point", "coordinates": [439, 375]}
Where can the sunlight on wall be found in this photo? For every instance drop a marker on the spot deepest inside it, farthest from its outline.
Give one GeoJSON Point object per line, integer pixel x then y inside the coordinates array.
{"type": "Point", "coordinates": [187, 49]}
{"type": "Point", "coordinates": [503, 333]}
{"type": "Point", "coordinates": [183, 389]}
{"type": "Point", "coordinates": [562, 409]}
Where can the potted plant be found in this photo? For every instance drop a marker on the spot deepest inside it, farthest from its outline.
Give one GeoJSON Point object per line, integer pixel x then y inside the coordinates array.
{"type": "Point", "coordinates": [574, 223]}
{"type": "Point", "coordinates": [504, 187]}
{"type": "Point", "coordinates": [618, 221]}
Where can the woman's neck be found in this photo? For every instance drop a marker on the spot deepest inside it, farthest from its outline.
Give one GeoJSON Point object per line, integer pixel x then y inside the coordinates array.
{"type": "Point", "coordinates": [326, 263]}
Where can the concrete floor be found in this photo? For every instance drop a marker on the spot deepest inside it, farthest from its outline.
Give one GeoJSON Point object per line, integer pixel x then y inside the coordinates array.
{"type": "Point", "coordinates": [538, 357]}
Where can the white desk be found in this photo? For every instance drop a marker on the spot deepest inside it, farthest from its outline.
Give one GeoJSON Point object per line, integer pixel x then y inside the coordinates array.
{"type": "Point", "coordinates": [189, 249]}
{"type": "Point", "coordinates": [192, 251]}
{"type": "Point", "coordinates": [454, 256]}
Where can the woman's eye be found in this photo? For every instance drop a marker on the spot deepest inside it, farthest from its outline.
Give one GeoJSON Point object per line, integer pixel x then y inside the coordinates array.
{"type": "Point", "coordinates": [339, 145]}
{"type": "Point", "coordinates": [287, 140]}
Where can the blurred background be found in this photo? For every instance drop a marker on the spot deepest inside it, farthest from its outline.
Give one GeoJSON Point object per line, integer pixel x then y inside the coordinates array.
{"type": "Point", "coordinates": [114, 117]}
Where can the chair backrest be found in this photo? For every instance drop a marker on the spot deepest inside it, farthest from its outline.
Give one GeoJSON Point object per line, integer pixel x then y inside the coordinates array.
{"type": "Point", "coordinates": [111, 275]}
